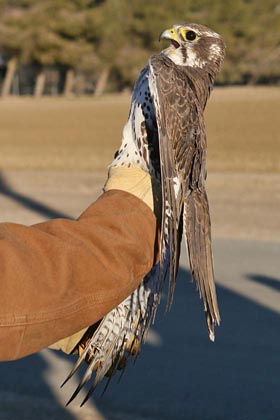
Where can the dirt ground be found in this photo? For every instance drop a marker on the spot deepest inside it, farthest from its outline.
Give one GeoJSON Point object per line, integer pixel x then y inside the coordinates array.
{"type": "Point", "coordinates": [242, 206]}
{"type": "Point", "coordinates": [245, 206]}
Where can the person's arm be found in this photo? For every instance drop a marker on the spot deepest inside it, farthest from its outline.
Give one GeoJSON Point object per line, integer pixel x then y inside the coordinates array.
{"type": "Point", "coordinates": [61, 276]}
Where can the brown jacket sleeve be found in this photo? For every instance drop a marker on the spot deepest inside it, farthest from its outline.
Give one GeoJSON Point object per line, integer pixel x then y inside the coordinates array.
{"type": "Point", "coordinates": [60, 276]}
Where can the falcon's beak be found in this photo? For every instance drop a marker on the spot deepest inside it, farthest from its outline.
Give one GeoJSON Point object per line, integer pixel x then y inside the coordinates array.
{"type": "Point", "coordinates": [172, 35]}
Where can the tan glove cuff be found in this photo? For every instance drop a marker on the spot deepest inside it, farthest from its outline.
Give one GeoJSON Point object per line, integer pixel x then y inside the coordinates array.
{"type": "Point", "coordinates": [67, 344]}
{"type": "Point", "coordinates": [133, 180]}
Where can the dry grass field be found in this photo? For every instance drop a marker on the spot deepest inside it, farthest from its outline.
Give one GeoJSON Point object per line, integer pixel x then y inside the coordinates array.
{"type": "Point", "coordinates": [243, 129]}
{"type": "Point", "coordinates": [83, 133]}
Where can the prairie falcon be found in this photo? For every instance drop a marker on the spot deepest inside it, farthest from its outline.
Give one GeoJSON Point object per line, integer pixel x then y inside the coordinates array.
{"type": "Point", "coordinates": [165, 136]}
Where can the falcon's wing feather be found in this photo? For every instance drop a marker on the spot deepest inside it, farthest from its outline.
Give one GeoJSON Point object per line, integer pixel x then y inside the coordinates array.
{"type": "Point", "coordinates": [198, 231]}
{"type": "Point", "coordinates": [182, 144]}
{"type": "Point", "coordinates": [171, 188]}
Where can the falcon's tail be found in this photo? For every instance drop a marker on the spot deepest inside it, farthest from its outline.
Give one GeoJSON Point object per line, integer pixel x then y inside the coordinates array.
{"type": "Point", "coordinates": [197, 227]}
{"type": "Point", "coordinates": [119, 335]}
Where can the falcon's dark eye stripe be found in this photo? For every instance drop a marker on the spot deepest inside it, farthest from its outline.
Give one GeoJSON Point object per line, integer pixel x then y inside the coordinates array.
{"type": "Point", "coordinates": [190, 35]}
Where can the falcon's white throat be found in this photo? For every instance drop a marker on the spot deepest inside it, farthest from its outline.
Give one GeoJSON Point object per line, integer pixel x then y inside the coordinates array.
{"type": "Point", "coordinates": [176, 55]}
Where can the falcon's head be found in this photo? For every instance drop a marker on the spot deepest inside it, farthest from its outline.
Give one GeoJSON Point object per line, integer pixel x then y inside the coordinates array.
{"type": "Point", "coordinates": [194, 46]}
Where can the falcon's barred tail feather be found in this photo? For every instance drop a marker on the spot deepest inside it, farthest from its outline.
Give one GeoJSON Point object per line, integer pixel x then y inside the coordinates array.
{"type": "Point", "coordinates": [76, 366]}
{"type": "Point", "coordinates": [198, 236]}
{"type": "Point", "coordinates": [119, 335]}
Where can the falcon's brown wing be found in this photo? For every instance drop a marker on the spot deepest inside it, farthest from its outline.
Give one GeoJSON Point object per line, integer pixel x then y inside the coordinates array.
{"type": "Point", "coordinates": [172, 202]}
{"type": "Point", "coordinates": [182, 145]}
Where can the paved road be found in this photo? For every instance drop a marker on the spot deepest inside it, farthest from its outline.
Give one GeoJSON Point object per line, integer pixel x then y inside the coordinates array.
{"type": "Point", "coordinates": [180, 373]}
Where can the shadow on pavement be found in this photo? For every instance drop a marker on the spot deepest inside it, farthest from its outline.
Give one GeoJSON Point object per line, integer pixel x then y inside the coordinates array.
{"type": "Point", "coordinates": [28, 202]}
{"type": "Point", "coordinates": [265, 280]}
{"type": "Point", "coordinates": [25, 395]}
{"type": "Point", "coordinates": [188, 377]}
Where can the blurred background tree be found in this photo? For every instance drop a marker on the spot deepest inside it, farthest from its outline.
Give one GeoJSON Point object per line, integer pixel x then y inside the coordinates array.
{"type": "Point", "coordinates": [89, 46]}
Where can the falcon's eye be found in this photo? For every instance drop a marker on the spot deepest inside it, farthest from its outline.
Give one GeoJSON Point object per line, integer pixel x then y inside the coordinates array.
{"type": "Point", "coordinates": [190, 35]}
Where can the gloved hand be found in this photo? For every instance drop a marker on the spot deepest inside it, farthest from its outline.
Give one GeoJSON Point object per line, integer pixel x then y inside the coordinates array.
{"type": "Point", "coordinates": [135, 181]}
